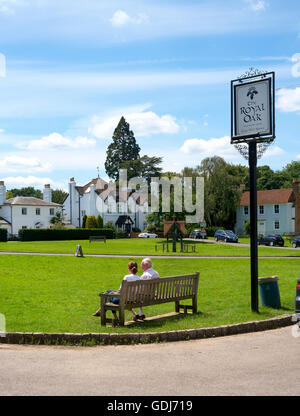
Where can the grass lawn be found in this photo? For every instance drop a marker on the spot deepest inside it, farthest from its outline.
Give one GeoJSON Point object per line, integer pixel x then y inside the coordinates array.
{"type": "Point", "coordinates": [59, 294]}
{"type": "Point", "coordinates": [140, 246]}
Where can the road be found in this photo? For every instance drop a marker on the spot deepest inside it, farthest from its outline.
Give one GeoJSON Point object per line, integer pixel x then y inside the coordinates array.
{"type": "Point", "coordinates": [263, 363]}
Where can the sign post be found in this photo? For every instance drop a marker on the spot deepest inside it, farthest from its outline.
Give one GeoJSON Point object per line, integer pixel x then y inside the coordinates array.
{"type": "Point", "coordinates": [253, 125]}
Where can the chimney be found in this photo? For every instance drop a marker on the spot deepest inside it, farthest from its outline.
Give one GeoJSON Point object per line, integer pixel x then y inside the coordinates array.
{"type": "Point", "coordinates": [2, 193]}
{"type": "Point", "coordinates": [47, 193]}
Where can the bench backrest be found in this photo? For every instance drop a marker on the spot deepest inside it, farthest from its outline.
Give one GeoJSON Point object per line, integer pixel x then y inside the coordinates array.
{"type": "Point", "coordinates": [163, 289]}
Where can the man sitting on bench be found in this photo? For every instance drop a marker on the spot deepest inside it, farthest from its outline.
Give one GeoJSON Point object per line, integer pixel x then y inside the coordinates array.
{"type": "Point", "coordinates": [149, 273]}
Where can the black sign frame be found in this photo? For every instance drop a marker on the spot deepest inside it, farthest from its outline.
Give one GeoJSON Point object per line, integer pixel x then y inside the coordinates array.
{"type": "Point", "coordinates": [258, 137]}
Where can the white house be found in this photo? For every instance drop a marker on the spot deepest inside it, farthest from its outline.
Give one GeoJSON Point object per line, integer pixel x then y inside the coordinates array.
{"type": "Point", "coordinates": [26, 212]}
{"type": "Point", "coordinates": [99, 197]}
{"type": "Point", "coordinates": [278, 211]}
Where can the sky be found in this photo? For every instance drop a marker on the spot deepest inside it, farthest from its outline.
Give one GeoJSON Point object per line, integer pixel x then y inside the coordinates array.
{"type": "Point", "coordinates": [70, 69]}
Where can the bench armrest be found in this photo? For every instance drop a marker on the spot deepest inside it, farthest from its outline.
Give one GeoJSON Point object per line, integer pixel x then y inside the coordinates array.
{"type": "Point", "coordinates": [109, 295]}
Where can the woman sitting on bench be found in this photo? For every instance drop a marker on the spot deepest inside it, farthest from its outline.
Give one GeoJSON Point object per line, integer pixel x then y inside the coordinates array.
{"type": "Point", "coordinates": [132, 268]}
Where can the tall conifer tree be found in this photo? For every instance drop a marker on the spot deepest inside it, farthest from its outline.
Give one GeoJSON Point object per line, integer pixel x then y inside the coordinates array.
{"type": "Point", "coordinates": [122, 149]}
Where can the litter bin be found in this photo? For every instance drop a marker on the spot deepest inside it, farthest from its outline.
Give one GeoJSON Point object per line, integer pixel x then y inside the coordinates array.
{"type": "Point", "coordinates": [297, 299]}
{"type": "Point", "coordinates": [269, 291]}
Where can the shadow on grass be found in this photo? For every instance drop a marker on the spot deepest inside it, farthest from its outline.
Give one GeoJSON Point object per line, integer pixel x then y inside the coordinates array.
{"type": "Point", "coordinates": [159, 320]}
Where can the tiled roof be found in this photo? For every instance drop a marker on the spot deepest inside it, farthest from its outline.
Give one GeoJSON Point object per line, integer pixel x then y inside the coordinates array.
{"type": "Point", "coordinates": [100, 184]}
{"type": "Point", "coordinates": [104, 189]}
{"type": "Point", "coordinates": [29, 200]}
{"type": "Point", "coordinates": [272, 196]}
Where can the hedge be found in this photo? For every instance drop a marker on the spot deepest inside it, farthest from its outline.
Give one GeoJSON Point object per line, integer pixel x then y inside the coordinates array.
{"type": "Point", "coordinates": [50, 234]}
{"type": "Point", "coordinates": [3, 234]}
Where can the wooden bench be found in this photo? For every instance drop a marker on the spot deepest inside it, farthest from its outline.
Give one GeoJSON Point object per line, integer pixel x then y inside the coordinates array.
{"type": "Point", "coordinates": [151, 292]}
{"type": "Point", "coordinates": [98, 238]}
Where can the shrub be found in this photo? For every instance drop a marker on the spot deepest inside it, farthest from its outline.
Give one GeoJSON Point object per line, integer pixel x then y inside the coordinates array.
{"type": "Point", "coordinates": [247, 227]}
{"type": "Point", "coordinates": [99, 221]}
{"type": "Point", "coordinates": [110, 225]}
{"type": "Point", "coordinates": [136, 229]}
{"type": "Point", "coordinates": [3, 234]}
{"type": "Point", "coordinates": [91, 222]}
{"type": "Point", "coordinates": [210, 231]}
{"type": "Point", "coordinates": [121, 234]}
{"type": "Point", "coordinates": [151, 228]}
{"type": "Point", "coordinates": [50, 234]}
{"type": "Point", "coordinates": [84, 218]}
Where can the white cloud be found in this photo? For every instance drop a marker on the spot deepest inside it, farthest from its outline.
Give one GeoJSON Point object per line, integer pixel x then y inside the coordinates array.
{"type": "Point", "coordinates": [8, 6]}
{"type": "Point", "coordinates": [56, 141]}
{"type": "Point", "coordinates": [121, 18]}
{"type": "Point", "coordinates": [257, 5]}
{"type": "Point", "coordinates": [274, 151]}
{"type": "Point", "coordinates": [24, 181]}
{"type": "Point", "coordinates": [288, 100]}
{"type": "Point", "coordinates": [2, 131]}
{"type": "Point", "coordinates": [142, 123]}
{"type": "Point", "coordinates": [2, 66]}
{"type": "Point", "coordinates": [296, 67]}
{"type": "Point", "coordinates": [17, 163]}
{"type": "Point", "coordinates": [208, 148]}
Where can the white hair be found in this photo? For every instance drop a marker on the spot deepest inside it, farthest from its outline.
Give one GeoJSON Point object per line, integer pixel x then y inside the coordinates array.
{"type": "Point", "coordinates": [147, 262]}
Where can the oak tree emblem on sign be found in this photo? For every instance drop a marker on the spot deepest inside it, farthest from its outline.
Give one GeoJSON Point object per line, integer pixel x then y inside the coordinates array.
{"type": "Point", "coordinates": [252, 91]}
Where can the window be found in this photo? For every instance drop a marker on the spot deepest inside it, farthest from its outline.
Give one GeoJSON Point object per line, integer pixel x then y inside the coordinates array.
{"type": "Point", "coordinates": [51, 211]}
{"type": "Point", "coordinates": [83, 212]}
{"type": "Point", "coordinates": [38, 211]}
{"type": "Point", "coordinates": [24, 226]}
{"type": "Point", "coordinates": [246, 210]}
{"type": "Point", "coordinates": [261, 209]}
{"type": "Point", "coordinates": [276, 225]}
{"type": "Point", "coordinates": [276, 209]}
{"type": "Point", "coordinates": [24, 211]}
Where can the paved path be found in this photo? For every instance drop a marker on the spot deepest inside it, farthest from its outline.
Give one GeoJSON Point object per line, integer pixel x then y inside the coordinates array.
{"type": "Point", "coordinates": [140, 256]}
{"type": "Point", "coordinates": [264, 363]}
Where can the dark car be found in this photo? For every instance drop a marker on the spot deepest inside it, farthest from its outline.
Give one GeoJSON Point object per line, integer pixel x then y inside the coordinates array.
{"type": "Point", "coordinates": [296, 241]}
{"type": "Point", "coordinates": [271, 240]}
{"type": "Point", "coordinates": [226, 235]}
{"type": "Point", "coordinates": [198, 234]}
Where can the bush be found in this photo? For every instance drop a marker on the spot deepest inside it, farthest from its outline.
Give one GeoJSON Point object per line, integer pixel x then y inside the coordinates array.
{"type": "Point", "coordinates": [247, 227]}
{"type": "Point", "coordinates": [136, 229]}
{"type": "Point", "coordinates": [121, 234]}
{"type": "Point", "coordinates": [3, 234]}
{"type": "Point", "coordinates": [110, 225]}
{"type": "Point", "coordinates": [91, 222]}
{"type": "Point", "coordinates": [151, 228]}
{"type": "Point", "coordinates": [84, 218]}
{"type": "Point", "coordinates": [50, 234]}
{"type": "Point", "coordinates": [210, 231]}
{"type": "Point", "coordinates": [99, 221]}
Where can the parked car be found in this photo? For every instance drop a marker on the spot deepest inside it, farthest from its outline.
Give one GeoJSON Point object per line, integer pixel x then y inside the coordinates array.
{"type": "Point", "coordinates": [296, 241]}
{"type": "Point", "coordinates": [147, 235]}
{"type": "Point", "coordinates": [198, 234]}
{"type": "Point", "coordinates": [226, 235]}
{"type": "Point", "coordinates": [271, 240]}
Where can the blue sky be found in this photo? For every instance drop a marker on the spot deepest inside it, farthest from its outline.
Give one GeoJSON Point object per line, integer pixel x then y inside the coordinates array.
{"type": "Point", "coordinates": [70, 69]}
